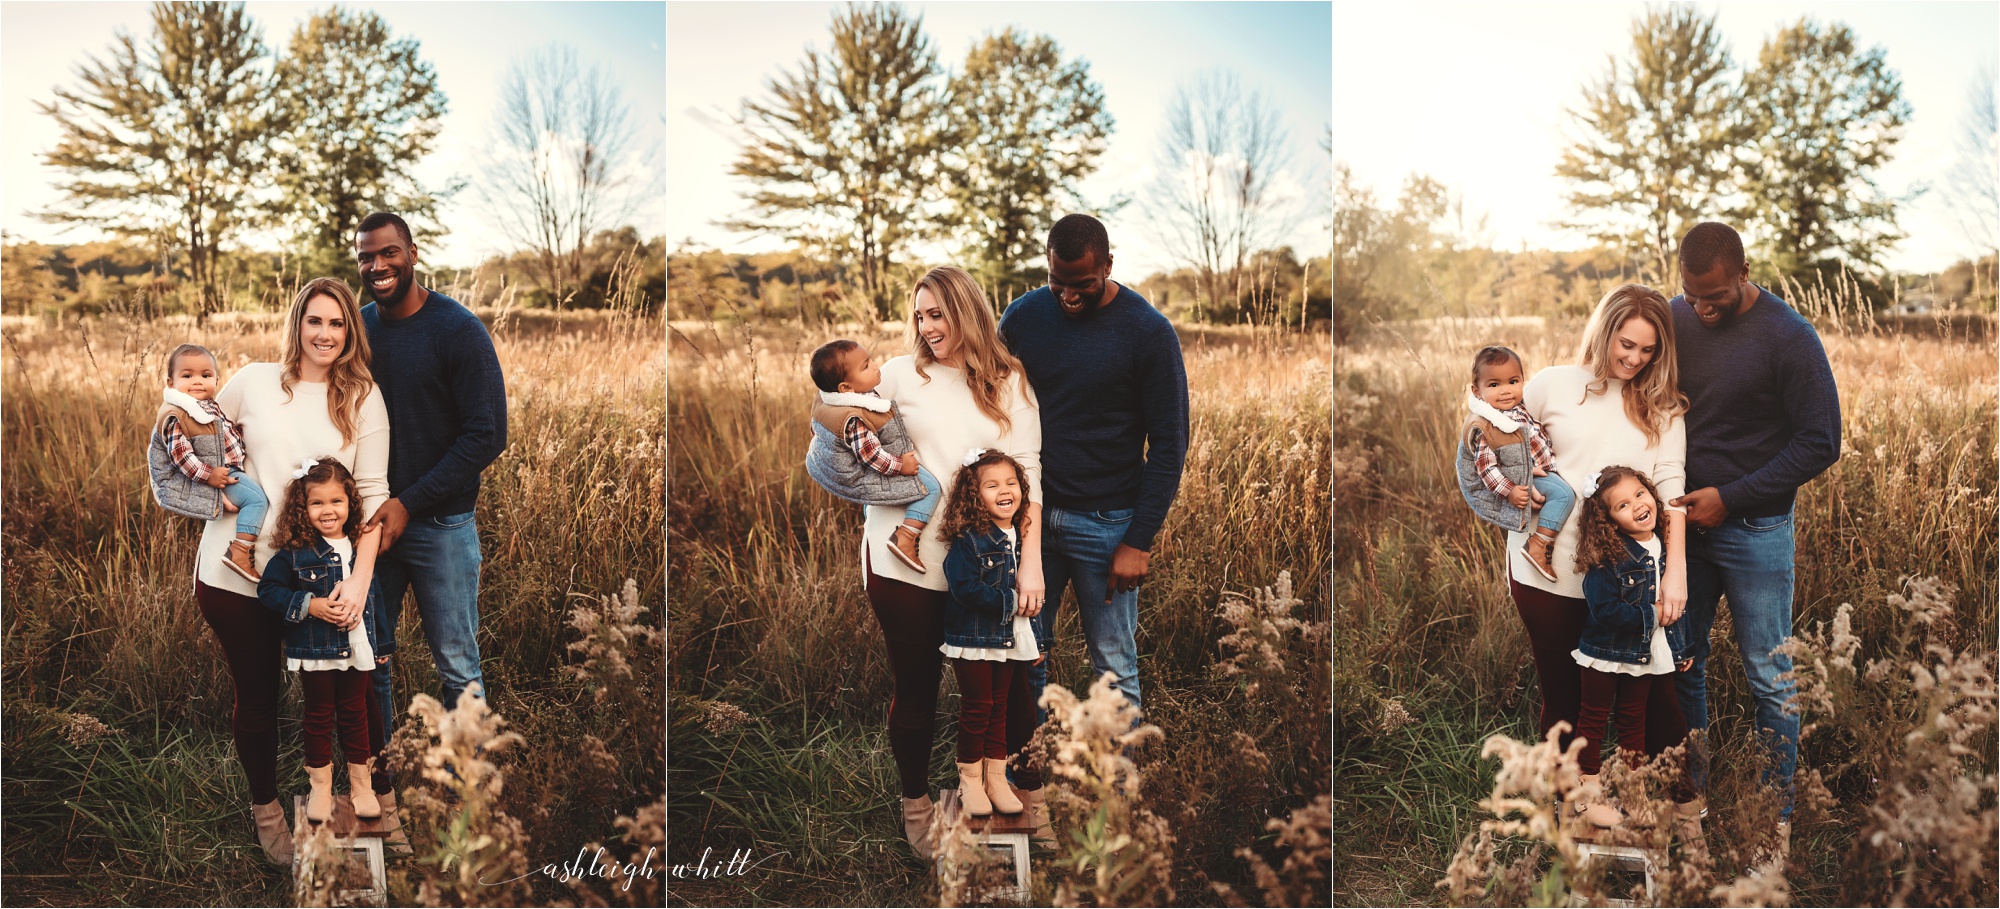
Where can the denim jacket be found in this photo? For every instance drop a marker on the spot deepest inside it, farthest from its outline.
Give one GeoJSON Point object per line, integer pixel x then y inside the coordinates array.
{"type": "Point", "coordinates": [292, 579]}
{"type": "Point", "coordinates": [980, 571]}
{"type": "Point", "coordinates": [1622, 614]}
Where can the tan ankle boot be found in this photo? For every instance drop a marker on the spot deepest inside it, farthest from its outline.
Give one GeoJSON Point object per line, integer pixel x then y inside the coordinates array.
{"type": "Point", "coordinates": [997, 790]}
{"type": "Point", "coordinates": [972, 789]}
{"type": "Point", "coordinates": [1596, 815]}
{"type": "Point", "coordinates": [903, 545]}
{"type": "Point", "coordinates": [1541, 552]}
{"type": "Point", "coordinates": [272, 832]}
{"type": "Point", "coordinates": [362, 791]}
{"type": "Point", "coordinates": [1037, 807]}
{"type": "Point", "coordinates": [319, 802]}
{"type": "Point", "coordinates": [397, 842]}
{"type": "Point", "coordinates": [242, 560]}
{"type": "Point", "coordinates": [919, 826]}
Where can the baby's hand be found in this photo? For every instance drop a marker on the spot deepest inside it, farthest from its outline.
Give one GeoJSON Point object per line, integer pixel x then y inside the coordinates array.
{"type": "Point", "coordinates": [219, 479]}
{"type": "Point", "coordinates": [910, 464]}
{"type": "Point", "coordinates": [1521, 497]}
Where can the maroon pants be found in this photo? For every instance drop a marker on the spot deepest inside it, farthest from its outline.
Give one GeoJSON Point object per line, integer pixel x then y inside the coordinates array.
{"type": "Point", "coordinates": [1554, 624]}
{"type": "Point", "coordinates": [252, 638]}
{"type": "Point", "coordinates": [912, 622]}
{"type": "Point", "coordinates": [331, 691]}
{"type": "Point", "coordinates": [1601, 690]}
{"type": "Point", "coordinates": [982, 707]}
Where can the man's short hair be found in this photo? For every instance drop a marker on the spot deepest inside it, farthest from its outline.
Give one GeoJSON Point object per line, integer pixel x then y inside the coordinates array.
{"type": "Point", "coordinates": [1708, 244]}
{"type": "Point", "coordinates": [1075, 235]}
{"type": "Point", "coordinates": [382, 219]}
{"type": "Point", "coordinates": [1493, 355]}
{"type": "Point", "coordinates": [826, 371]}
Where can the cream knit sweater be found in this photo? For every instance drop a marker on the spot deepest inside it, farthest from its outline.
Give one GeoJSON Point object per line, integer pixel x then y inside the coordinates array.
{"type": "Point", "coordinates": [944, 423]}
{"type": "Point", "coordinates": [279, 435]}
{"type": "Point", "coordinates": [1589, 433]}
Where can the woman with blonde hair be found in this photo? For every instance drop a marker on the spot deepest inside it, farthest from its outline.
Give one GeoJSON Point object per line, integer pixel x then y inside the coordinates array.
{"type": "Point", "coordinates": [1618, 405]}
{"type": "Point", "coordinates": [959, 390]}
{"type": "Point", "coordinates": [318, 401]}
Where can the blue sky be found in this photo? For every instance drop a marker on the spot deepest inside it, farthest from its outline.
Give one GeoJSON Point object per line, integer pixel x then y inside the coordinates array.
{"type": "Point", "coordinates": [721, 53]}
{"type": "Point", "coordinates": [1475, 97]}
{"type": "Point", "coordinates": [469, 45]}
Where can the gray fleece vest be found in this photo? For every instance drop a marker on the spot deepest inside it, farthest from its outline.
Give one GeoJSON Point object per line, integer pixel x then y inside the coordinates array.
{"type": "Point", "coordinates": [176, 491]}
{"type": "Point", "coordinates": [835, 467]}
{"type": "Point", "coordinates": [1511, 449]}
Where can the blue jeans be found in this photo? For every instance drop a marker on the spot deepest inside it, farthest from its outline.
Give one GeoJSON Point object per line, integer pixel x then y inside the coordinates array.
{"type": "Point", "coordinates": [920, 510]}
{"type": "Point", "coordinates": [1076, 549]}
{"type": "Point", "coordinates": [437, 558]}
{"type": "Point", "coordinates": [250, 502]}
{"type": "Point", "coordinates": [1750, 561]}
{"type": "Point", "coordinates": [1560, 500]}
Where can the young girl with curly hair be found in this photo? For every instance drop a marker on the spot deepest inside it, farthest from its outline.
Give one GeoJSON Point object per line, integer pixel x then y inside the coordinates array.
{"type": "Point", "coordinates": [1626, 647]}
{"type": "Point", "coordinates": [333, 649]}
{"type": "Point", "coordinates": [988, 639]}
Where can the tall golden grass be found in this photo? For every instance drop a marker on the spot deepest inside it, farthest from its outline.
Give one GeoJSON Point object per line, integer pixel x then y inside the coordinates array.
{"type": "Point", "coordinates": [1430, 657]}
{"type": "Point", "coordinates": [779, 686]}
{"type": "Point", "coordinates": [100, 620]}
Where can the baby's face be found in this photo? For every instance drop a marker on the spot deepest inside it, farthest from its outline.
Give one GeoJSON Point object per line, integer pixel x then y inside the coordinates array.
{"type": "Point", "coordinates": [1499, 384]}
{"type": "Point", "coordinates": [862, 373]}
{"type": "Point", "coordinates": [194, 376]}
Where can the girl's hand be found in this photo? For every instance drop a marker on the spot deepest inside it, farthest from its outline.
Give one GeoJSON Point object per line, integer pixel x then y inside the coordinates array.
{"type": "Point", "coordinates": [1028, 587]}
{"type": "Point", "coordinates": [1673, 597]}
{"type": "Point", "coordinates": [327, 611]}
{"type": "Point", "coordinates": [1521, 497]}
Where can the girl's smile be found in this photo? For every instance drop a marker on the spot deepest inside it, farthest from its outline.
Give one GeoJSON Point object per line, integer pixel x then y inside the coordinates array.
{"type": "Point", "coordinates": [1000, 492]}
{"type": "Point", "coordinates": [1632, 508]}
{"type": "Point", "coordinates": [326, 508]}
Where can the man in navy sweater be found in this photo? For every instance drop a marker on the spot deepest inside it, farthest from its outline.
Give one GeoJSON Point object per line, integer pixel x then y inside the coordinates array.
{"type": "Point", "coordinates": [1763, 419]}
{"type": "Point", "coordinates": [439, 376]}
{"type": "Point", "coordinates": [1106, 368]}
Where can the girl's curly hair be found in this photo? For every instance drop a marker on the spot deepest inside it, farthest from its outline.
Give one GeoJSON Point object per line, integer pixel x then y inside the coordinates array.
{"type": "Point", "coordinates": [1599, 541]}
{"type": "Point", "coordinates": [966, 508]}
{"type": "Point", "coordinates": [295, 531]}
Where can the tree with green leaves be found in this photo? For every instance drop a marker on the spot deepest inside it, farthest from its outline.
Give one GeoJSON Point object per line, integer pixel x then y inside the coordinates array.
{"type": "Point", "coordinates": [1024, 128]}
{"type": "Point", "coordinates": [355, 110]}
{"type": "Point", "coordinates": [845, 150]}
{"type": "Point", "coordinates": [1658, 129]}
{"type": "Point", "coordinates": [1822, 116]}
{"type": "Point", "coordinates": [166, 141]}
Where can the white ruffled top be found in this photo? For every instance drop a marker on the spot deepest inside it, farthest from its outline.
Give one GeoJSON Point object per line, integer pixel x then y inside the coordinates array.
{"type": "Point", "coordinates": [1024, 636]}
{"type": "Point", "coordinates": [1662, 661]}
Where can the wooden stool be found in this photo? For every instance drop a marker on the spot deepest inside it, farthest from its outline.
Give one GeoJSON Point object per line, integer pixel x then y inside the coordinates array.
{"type": "Point", "coordinates": [996, 831]}
{"type": "Point", "coordinates": [1623, 858]}
{"type": "Point", "coordinates": [356, 836]}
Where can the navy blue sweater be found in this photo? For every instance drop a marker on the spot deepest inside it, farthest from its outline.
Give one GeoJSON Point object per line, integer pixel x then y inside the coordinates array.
{"type": "Point", "coordinates": [1114, 400]}
{"type": "Point", "coordinates": [1763, 414]}
{"type": "Point", "coordinates": [447, 403]}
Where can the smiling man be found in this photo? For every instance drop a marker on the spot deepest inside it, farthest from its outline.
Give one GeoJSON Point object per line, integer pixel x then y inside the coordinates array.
{"type": "Point", "coordinates": [1763, 419]}
{"type": "Point", "coordinates": [440, 378]}
{"type": "Point", "coordinates": [1106, 368]}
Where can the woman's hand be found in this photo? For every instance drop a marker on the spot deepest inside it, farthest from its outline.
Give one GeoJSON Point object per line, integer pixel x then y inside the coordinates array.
{"type": "Point", "coordinates": [1673, 596]}
{"type": "Point", "coordinates": [1522, 496]}
{"type": "Point", "coordinates": [328, 611]}
{"type": "Point", "coordinates": [1029, 587]}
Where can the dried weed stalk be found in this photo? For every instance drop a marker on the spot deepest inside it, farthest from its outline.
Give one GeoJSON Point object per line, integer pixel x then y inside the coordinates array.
{"type": "Point", "coordinates": [1118, 852]}
{"type": "Point", "coordinates": [477, 856]}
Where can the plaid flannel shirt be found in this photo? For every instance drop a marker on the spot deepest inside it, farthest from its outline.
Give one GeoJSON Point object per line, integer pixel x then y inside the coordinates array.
{"type": "Point", "coordinates": [182, 450]}
{"type": "Point", "coordinates": [869, 449]}
{"type": "Point", "coordinates": [1488, 463]}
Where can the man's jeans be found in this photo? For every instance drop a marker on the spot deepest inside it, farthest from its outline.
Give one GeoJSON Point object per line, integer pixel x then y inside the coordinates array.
{"type": "Point", "coordinates": [1750, 560]}
{"type": "Point", "coordinates": [437, 558]}
{"type": "Point", "coordinates": [1077, 548]}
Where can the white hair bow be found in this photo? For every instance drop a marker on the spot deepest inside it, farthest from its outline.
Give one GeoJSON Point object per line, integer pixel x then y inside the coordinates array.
{"type": "Point", "coordinates": [305, 468]}
{"type": "Point", "coordinates": [1589, 487]}
{"type": "Point", "coordinates": [972, 455]}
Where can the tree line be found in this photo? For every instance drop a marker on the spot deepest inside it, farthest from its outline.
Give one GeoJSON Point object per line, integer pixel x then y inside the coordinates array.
{"type": "Point", "coordinates": [187, 142]}
{"type": "Point", "coordinates": [868, 149]}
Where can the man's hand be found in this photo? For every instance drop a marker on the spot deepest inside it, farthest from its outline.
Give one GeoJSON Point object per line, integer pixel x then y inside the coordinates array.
{"type": "Point", "coordinates": [220, 479]}
{"type": "Point", "coordinates": [391, 518]}
{"type": "Point", "coordinates": [909, 467]}
{"type": "Point", "coordinates": [1128, 569]}
{"type": "Point", "coordinates": [1704, 507]}
{"type": "Point", "coordinates": [1522, 496]}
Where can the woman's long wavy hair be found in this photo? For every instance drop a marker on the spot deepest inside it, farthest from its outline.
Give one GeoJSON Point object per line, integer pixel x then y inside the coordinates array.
{"type": "Point", "coordinates": [987, 363]}
{"type": "Point", "coordinates": [348, 381]}
{"type": "Point", "coordinates": [966, 508]}
{"type": "Point", "coordinates": [1653, 397]}
{"type": "Point", "coordinates": [295, 530]}
{"type": "Point", "coordinates": [1598, 540]}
